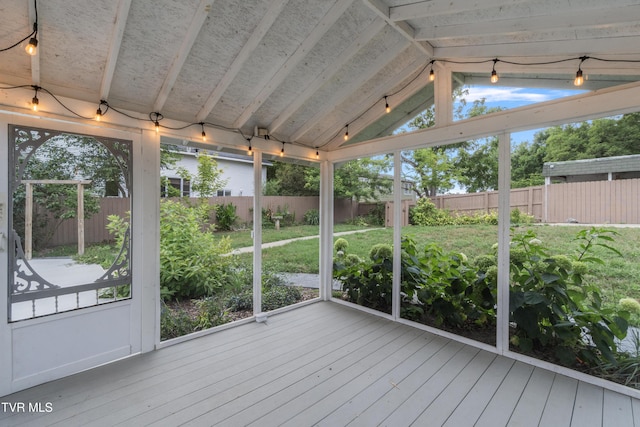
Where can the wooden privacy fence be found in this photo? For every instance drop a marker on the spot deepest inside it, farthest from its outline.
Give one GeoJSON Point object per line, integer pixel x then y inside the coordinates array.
{"type": "Point", "coordinates": [96, 230]}
{"type": "Point", "coordinates": [599, 202]}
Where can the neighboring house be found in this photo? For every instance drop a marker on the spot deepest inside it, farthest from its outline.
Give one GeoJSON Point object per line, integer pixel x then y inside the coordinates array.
{"type": "Point", "coordinates": [601, 169]}
{"type": "Point", "coordinates": [237, 171]}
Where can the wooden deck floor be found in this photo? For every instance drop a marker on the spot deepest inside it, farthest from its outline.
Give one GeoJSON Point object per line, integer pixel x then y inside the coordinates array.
{"type": "Point", "coordinates": [322, 364]}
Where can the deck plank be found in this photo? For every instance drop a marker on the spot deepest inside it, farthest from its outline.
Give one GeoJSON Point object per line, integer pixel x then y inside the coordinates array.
{"type": "Point", "coordinates": [322, 364]}
{"type": "Point", "coordinates": [587, 410]}
{"type": "Point", "coordinates": [616, 410]}
{"type": "Point", "coordinates": [529, 409]}
{"type": "Point", "coordinates": [410, 409]}
{"type": "Point", "coordinates": [349, 409]}
{"type": "Point", "coordinates": [256, 360]}
{"type": "Point", "coordinates": [471, 407]}
{"type": "Point", "coordinates": [561, 401]}
{"type": "Point", "coordinates": [505, 399]}
{"type": "Point", "coordinates": [443, 406]}
{"type": "Point", "coordinates": [395, 396]}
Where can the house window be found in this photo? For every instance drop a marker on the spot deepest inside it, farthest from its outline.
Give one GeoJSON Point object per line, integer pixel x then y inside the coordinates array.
{"type": "Point", "coordinates": [176, 187]}
{"type": "Point", "coordinates": [222, 193]}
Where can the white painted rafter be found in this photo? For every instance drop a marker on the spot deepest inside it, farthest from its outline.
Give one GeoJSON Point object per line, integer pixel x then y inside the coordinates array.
{"type": "Point", "coordinates": [364, 106]}
{"type": "Point", "coordinates": [423, 9]}
{"type": "Point", "coordinates": [596, 46]}
{"type": "Point", "coordinates": [114, 47]}
{"type": "Point", "coordinates": [345, 56]}
{"type": "Point", "coordinates": [281, 74]}
{"type": "Point", "coordinates": [199, 18]}
{"type": "Point", "coordinates": [35, 59]}
{"type": "Point", "coordinates": [564, 19]}
{"type": "Point", "coordinates": [338, 98]}
{"type": "Point", "coordinates": [382, 10]}
{"type": "Point", "coordinates": [258, 34]}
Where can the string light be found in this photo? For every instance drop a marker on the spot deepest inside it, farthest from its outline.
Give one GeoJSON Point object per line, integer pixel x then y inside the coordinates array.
{"type": "Point", "coordinates": [494, 74]}
{"type": "Point", "coordinates": [250, 150]}
{"type": "Point", "coordinates": [317, 153]}
{"type": "Point", "coordinates": [32, 47]}
{"type": "Point", "coordinates": [155, 117]}
{"type": "Point", "coordinates": [346, 134]}
{"type": "Point", "coordinates": [579, 80]}
{"type": "Point", "coordinates": [282, 150]}
{"type": "Point", "coordinates": [386, 105]}
{"type": "Point", "coordinates": [204, 135]}
{"type": "Point", "coordinates": [432, 74]}
{"type": "Point", "coordinates": [35, 102]}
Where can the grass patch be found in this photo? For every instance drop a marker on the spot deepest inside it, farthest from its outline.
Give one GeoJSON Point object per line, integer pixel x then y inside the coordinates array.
{"type": "Point", "coordinates": [242, 239]}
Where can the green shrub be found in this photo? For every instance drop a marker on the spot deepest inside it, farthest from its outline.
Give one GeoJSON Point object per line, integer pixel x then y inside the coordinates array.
{"type": "Point", "coordinates": [519, 217]}
{"type": "Point", "coordinates": [226, 216]}
{"type": "Point", "coordinates": [278, 296]}
{"type": "Point", "coordinates": [211, 312]}
{"type": "Point", "coordinates": [483, 262]}
{"type": "Point", "coordinates": [380, 251]}
{"type": "Point", "coordinates": [376, 216]}
{"type": "Point", "coordinates": [174, 323]}
{"type": "Point", "coordinates": [341, 245]}
{"type": "Point", "coordinates": [631, 305]}
{"type": "Point", "coordinates": [191, 265]}
{"type": "Point", "coordinates": [239, 302]}
{"type": "Point", "coordinates": [312, 217]}
{"type": "Point", "coordinates": [555, 311]}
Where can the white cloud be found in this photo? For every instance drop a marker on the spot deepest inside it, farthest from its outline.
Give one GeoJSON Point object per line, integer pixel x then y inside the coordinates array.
{"type": "Point", "coordinates": [506, 94]}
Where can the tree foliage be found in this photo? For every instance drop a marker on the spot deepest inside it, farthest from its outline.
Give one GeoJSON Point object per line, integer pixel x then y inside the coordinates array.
{"type": "Point", "coordinates": [616, 136]}
{"type": "Point", "coordinates": [361, 179]}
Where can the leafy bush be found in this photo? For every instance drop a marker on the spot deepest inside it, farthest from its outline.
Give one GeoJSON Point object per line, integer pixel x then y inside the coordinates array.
{"type": "Point", "coordinates": [174, 323]}
{"type": "Point", "coordinates": [191, 265]}
{"type": "Point", "coordinates": [312, 217]}
{"type": "Point", "coordinates": [226, 216]}
{"type": "Point", "coordinates": [555, 311]}
{"type": "Point", "coordinates": [341, 245]}
{"type": "Point", "coordinates": [381, 250]}
{"type": "Point", "coordinates": [376, 216]}
{"type": "Point", "coordinates": [277, 296]}
{"type": "Point", "coordinates": [425, 213]}
{"type": "Point", "coordinates": [518, 217]}
{"type": "Point", "coordinates": [211, 312]}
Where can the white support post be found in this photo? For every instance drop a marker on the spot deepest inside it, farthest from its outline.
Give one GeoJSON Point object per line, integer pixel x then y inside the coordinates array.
{"type": "Point", "coordinates": [80, 195]}
{"type": "Point", "coordinates": [397, 234]}
{"type": "Point", "coordinates": [443, 96]}
{"type": "Point", "coordinates": [257, 232]}
{"type": "Point", "coordinates": [504, 219]}
{"type": "Point", "coordinates": [145, 241]}
{"type": "Point", "coordinates": [326, 230]}
{"type": "Point", "coordinates": [6, 355]}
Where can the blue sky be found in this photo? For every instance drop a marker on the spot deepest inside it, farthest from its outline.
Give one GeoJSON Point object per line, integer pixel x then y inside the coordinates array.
{"type": "Point", "coordinates": [512, 97]}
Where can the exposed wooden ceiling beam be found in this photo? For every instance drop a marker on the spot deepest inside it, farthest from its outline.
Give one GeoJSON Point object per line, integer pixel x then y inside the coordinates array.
{"type": "Point", "coordinates": [338, 62]}
{"type": "Point", "coordinates": [278, 77]}
{"type": "Point", "coordinates": [114, 47]}
{"type": "Point", "coordinates": [382, 10]}
{"type": "Point", "coordinates": [561, 20]}
{"type": "Point", "coordinates": [199, 18]}
{"type": "Point", "coordinates": [338, 98]}
{"type": "Point", "coordinates": [369, 114]}
{"type": "Point", "coordinates": [423, 9]}
{"type": "Point", "coordinates": [597, 46]}
{"type": "Point", "coordinates": [258, 34]}
{"type": "Point", "coordinates": [35, 59]}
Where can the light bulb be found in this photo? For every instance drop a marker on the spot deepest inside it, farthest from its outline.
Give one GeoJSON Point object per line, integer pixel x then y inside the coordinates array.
{"type": "Point", "coordinates": [432, 75]}
{"type": "Point", "coordinates": [34, 103]}
{"type": "Point", "coordinates": [282, 152]}
{"type": "Point", "coordinates": [346, 134]}
{"type": "Point", "coordinates": [494, 77]}
{"type": "Point", "coordinates": [386, 105]}
{"type": "Point", "coordinates": [250, 151]}
{"type": "Point", "coordinates": [98, 115]}
{"type": "Point", "coordinates": [204, 137]}
{"type": "Point", "coordinates": [317, 154]}
{"type": "Point", "coordinates": [157, 124]}
{"type": "Point", "coordinates": [32, 47]}
{"type": "Point", "coordinates": [579, 80]}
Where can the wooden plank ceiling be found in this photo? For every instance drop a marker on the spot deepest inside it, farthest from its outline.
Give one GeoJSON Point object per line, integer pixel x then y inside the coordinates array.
{"type": "Point", "coordinates": [303, 69]}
